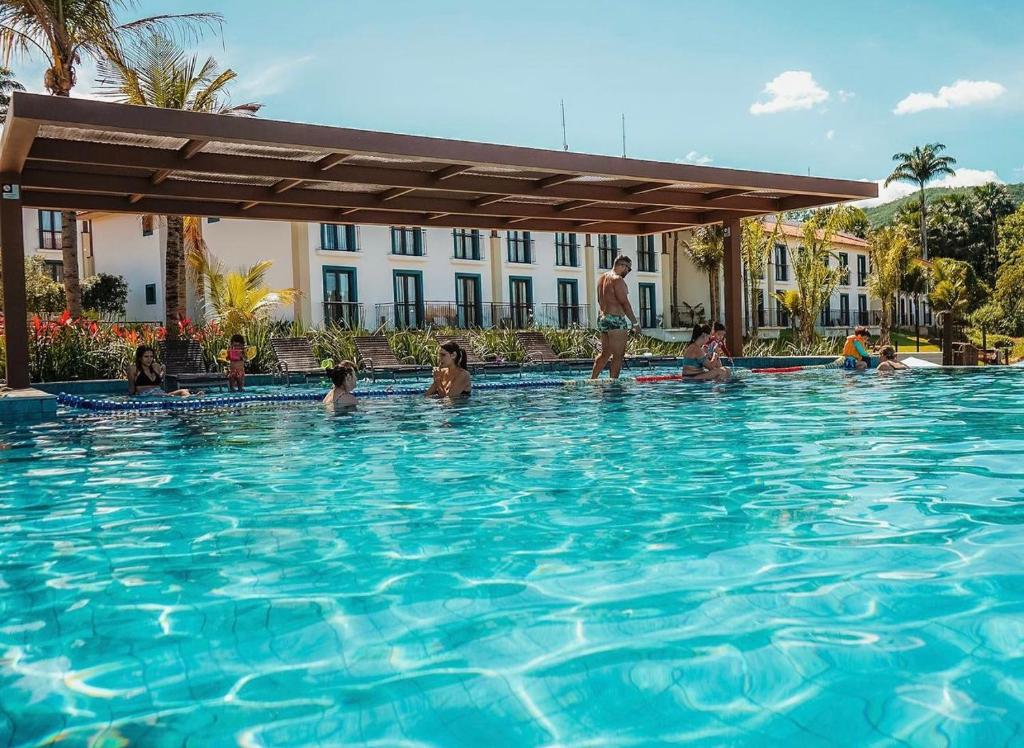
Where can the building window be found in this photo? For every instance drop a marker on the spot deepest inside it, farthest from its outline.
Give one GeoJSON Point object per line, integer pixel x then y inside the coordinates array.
{"type": "Point", "coordinates": [520, 294]}
{"type": "Point", "coordinates": [844, 309]}
{"type": "Point", "coordinates": [406, 241]}
{"type": "Point", "coordinates": [862, 270]}
{"type": "Point", "coordinates": [520, 247]}
{"type": "Point", "coordinates": [568, 302]}
{"type": "Point", "coordinates": [212, 219]}
{"type": "Point", "coordinates": [338, 237]}
{"type": "Point", "coordinates": [645, 254]}
{"type": "Point", "coordinates": [844, 263]}
{"type": "Point", "coordinates": [781, 263]}
{"type": "Point", "coordinates": [55, 269]}
{"type": "Point", "coordinates": [566, 250]}
{"type": "Point", "coordinates": [648, 307]}
{"type": "Point", "coordinates": [341, 305]}
{"type": "Point", "coordinates": [466, 244]}
{"type": "Point", "coordinates": [862, 309]}
{"type": "Point", "coordinates": [49, 229]}
{"type": "Point", "coordinates": [150, 294]}
{"type": "Point", "coordinates": [607, 250]}
{"type": "Point", "coordinates": [468, 300]}
{"type": "Point", "coordinates": [147, 225]}
{"type": "Point", "coordinates": [409, 310]}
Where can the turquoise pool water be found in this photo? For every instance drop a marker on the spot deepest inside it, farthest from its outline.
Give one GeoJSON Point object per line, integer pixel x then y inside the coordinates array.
{"type": "Point", "coordinates": [811, 559]}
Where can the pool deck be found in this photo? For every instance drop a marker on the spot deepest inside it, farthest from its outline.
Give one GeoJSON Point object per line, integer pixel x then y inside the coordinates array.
{"type": "Point", "coordinates": [22, 406]}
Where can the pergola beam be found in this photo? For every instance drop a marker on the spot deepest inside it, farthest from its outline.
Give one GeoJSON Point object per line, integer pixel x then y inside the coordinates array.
{"type": "Point", "coordinates": [331, 160]}
{"type": "Point", "coordinates": [192, 147]}
{"type": "Point", "coordinates": [84, 182]}
{"type": "Point", "coordinates": [450, 171]}
{"type": "Point", "coordinates": [241, 167]}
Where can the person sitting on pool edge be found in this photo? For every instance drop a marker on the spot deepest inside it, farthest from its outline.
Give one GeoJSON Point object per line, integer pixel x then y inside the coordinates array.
{"type": "Point", "coordinates": [146, 376]}
{"type": "Point", "coordinates": [451, 378]}
{"type": "Point", "coordinates": [343, 377]}
{"type": "Point", "coordinates": [855, 350]}
{"type": "Point", "coordinates": [696, 366]}
{"type": "Point", "coordinates": [888, 360]}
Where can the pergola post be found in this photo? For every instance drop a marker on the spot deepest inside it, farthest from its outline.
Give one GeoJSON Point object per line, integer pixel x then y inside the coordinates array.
{"type": "Point", "coordinates": [12, 250]}
{"type": "Point", "coordinates": [733, 287]}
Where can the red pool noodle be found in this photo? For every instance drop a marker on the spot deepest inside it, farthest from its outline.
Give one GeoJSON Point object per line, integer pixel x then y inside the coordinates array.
{"type": "Point", "coordinates": [660, 378]}
{"type": "Point", "coordinates": [778, 370]}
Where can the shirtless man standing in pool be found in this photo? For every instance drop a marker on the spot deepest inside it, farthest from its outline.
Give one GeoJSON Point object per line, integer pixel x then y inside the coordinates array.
{"type": "Point", "coordinates": [616, 319]}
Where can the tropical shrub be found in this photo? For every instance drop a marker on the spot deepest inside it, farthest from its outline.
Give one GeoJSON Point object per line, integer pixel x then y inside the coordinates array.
{"type": "Point", "coordinates": [105, 294]}
{"type": "Point", "coordinates": [43, 295]}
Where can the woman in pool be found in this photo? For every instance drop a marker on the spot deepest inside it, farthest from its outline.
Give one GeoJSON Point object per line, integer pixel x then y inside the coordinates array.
{"type": "Point", "coordinates": [343, 377]}
{"type": "Point", "coordinates": [888, 360]}
{"type": "Point", "coordinates": [146, 376]}
{"type": "Point", "coordinates": [696, 366]}
{"type": "Point", "coordinates": [451, 378]}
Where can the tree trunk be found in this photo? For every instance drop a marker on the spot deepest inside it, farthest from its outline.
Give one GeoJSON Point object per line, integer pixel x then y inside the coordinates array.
{"type": "Point", "coordinates": [924, 225]}
{"type": "Point", "coordinates": [675, 279]}
{"type": "Point", "coordinates": [174, 259]}
{"type": "Point", "coordinates": [716, 312]}
{"type": "Point", "coordinates": [69, 255]}
{"type": "Point", "coordinates": [883, 332]}
{"type": "Point", "coordinates": [947, 339]}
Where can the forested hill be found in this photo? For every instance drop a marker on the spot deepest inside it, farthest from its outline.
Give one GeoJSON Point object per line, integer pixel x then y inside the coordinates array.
{"type": "Point", "coordinates": [880, 215]}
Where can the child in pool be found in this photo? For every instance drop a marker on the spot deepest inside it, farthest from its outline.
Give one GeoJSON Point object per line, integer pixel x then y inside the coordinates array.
{"type": "Point", "coordinates": [236, 364]}
{"type": "Point", "coordinates": [715, 349]}
{"type": "Point", "coordinates": [343, 377]}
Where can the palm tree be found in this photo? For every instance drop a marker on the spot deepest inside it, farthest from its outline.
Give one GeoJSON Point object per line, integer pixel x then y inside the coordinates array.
{"type": "Point", "coordinates": [756, 244]}
{"type": "Point", "coordinates": [889, 251]}
{"type": "Point", "coordinates": [994, 203]}
{"type": "Point", "coordinates": [707, 250]}
{"type": "Point", "coordinates": [915, 283]}
{"type": "Point", "coordinates": [919, 167]}
{"type": "Point", "coordinates": [949, 297]}
{"type": "Point", "coordinates": [7, 86]}
{"type": "Point", "coordinates": [63, 32]}
{"type": "Point", "coordinates": [235, 299]}
{"type": "Point", "coordinates": [156, 72]}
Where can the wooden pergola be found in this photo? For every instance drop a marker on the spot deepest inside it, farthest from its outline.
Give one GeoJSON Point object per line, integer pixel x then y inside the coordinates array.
{"type": "Point", "coordinates": [76, 154]}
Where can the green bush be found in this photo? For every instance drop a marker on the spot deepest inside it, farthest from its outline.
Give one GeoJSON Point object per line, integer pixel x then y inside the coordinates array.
{"type": "Point", "coordinates": [105, 294]}
{"type": "Point", "coordinates": [43, 295]}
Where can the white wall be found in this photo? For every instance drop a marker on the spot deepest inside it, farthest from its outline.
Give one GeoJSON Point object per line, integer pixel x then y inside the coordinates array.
{"type": "Point", "coordinates": [119, 248]}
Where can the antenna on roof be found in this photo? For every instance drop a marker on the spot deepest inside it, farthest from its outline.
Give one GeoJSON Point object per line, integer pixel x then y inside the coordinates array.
{"type": "Point", "coordinates": [565, 142]}
{"type": "Point", "coordinates": [623, 134]}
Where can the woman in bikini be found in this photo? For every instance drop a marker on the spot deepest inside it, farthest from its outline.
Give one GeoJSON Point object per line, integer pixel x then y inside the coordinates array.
{"type": "Point", "coordinates": [451, 378]}
{"type": "Point", "coordinates": [343, 377]}
{"type": "Point", "coordinates": [696, 366]}
{"type": "Point", "coordinates": [146, 376]}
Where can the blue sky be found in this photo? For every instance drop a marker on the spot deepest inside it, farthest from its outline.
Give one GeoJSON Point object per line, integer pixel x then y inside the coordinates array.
{"type": "Point", "coordinates": [779, 86]}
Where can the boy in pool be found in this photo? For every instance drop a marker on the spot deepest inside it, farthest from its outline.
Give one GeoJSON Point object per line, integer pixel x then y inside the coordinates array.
{"type": "Point", "coordinates": [889, 362]}
{"type": "Point", "coordinates": [855, 351]}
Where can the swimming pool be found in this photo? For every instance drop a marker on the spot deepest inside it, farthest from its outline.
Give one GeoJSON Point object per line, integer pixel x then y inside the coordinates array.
{"type": "Point", "coordinates": [808, 559]}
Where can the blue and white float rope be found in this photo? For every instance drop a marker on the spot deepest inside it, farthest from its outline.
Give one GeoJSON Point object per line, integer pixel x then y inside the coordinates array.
{"type": "Point", "coordinates": [222, 401]}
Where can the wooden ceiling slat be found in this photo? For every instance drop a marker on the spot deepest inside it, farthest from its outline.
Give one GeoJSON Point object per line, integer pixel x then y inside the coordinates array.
{"type": "Point", "coordinates": [284, 185]}
{"type": "Point", "coordinates": [395, 193]}
{"type": "Point", "coordinates": [191, 148]}
{"type": "Point", "coordinates": [84, 182]}
{"type": "Point", "coordinates": [103, 154]}
{"type": "Point", "coordinates": [450, 171]}
{"type": "Point", "coordinates": [331, 160]}
{"type": "Point", "coordinates": [554, 180]}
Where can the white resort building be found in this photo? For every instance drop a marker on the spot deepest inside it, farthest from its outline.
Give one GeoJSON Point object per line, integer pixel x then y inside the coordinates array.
{"type": "Point", "coordinates": [403, 276]}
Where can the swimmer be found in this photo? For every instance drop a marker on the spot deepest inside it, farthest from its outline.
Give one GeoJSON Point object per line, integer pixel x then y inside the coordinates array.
{"type": "Point", "coordinates": [146, 376]}
{"type": "Point", "coordinates": [889, 362]}
{"type": "Point", "coordinates": [451, 378]}
{"type": "Point", "coordinates": [616, 319]}
{"type": "Point", "coordinates": [343, 377]}
{"type": "Point", "coordinates": [855, 351]}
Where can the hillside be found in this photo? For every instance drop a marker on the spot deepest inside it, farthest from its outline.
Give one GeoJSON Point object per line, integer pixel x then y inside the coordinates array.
{"type": "Point", "coordinates": [880, 215]}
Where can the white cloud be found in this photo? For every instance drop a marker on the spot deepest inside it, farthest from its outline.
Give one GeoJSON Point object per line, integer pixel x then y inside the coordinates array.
{"type": "Point", "coordinates": [695, 158]}
{"type": "Point", "coordinates": [272, 78]}
{"type": "Point", "coordinates": [830, 134]}
{"type": "Point", "coordinates": [845, 96]}
{"type": "Point", "coordinates": [963, 178]}
{"type": "Point", "coordinates": [791, 90]}
{"type": "Point", "coordinates": [961, 93]}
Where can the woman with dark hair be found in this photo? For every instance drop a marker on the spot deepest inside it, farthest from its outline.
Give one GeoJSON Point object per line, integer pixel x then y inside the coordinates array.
{"type": "Point", "coordinates": [696, 366]}
{"type": "Point", "coordinates": [451, 378]}
{"type": "Point", "coordinates": [343, 377]}
{"type": "Point", "coordinates": [146, 376]}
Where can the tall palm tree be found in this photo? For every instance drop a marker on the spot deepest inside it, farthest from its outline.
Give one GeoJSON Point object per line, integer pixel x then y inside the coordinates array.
{"type": "Point", "coordinates": [62, 32]}
{"type": "Point", "coordinates": [890, 255]}
{"type": "Point", "coordinates": [994, 203]}
{"type": "Point", "coordinates": [919, 167]}
{"type": "Point", "coordinates": [7, 86]}
{"type": "Point", "coordinates": [915, 283]}
{"type": "Point", "coordinates": [234, 299]}
{"type": "Point", "coordinates": [706, 248]}
{"type": "Point", "coordinates": [756, 244]}
{"type": "Point", "coordinates": [156, 72]}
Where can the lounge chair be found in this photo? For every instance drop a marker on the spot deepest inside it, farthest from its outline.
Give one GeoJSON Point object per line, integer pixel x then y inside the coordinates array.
{"type": "Point", "coordinates": [376, 356]}
{"type": "Point", "coordinates": [184, 365]}
{"type": "Point", "coordinates": [539, 351]}
{"type": "Point", "coordinates": [295, 356]}
{"type": "Point", "coordinates": [473, 360]}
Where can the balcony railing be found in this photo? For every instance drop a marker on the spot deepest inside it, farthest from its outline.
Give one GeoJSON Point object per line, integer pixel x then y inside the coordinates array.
{"type": "Point", "coordinates": [564, 315]}
{"type": "Point", "coordinates": [343, 314]}
{"type": "Point", "coordinates": [849, 318]}
{"type": "Point", "coordinates": [453, 314]}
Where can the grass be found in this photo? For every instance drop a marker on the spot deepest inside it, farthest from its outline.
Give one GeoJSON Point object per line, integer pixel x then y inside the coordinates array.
{"type": "Point", "coordinates": [905, 343]}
